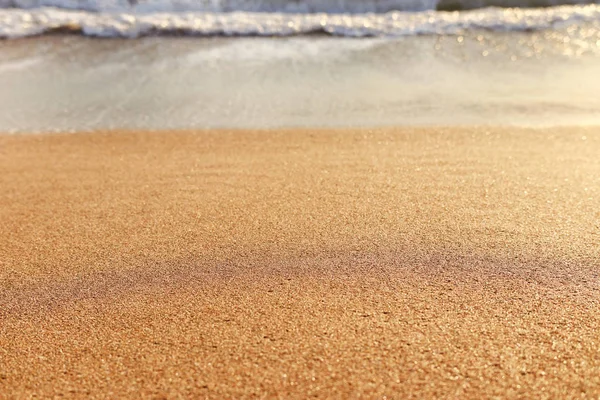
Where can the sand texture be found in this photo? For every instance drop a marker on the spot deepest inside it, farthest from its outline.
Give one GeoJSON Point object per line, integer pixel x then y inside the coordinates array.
{"type": "Point", "coordinates": [398, 263]}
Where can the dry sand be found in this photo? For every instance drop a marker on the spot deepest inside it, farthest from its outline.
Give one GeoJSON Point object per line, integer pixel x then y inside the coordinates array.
{"type": "Point", "coordinates": [446, 263]}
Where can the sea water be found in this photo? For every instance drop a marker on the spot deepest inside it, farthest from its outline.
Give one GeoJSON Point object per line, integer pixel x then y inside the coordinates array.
{"type": "Point", "coordinates": [250, 63]}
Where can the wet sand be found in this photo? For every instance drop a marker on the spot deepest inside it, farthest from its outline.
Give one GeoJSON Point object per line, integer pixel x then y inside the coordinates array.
{"type": "Point", "coordinates": [407, 263]}
{"type": "Point", "coordinates": [161, 82]}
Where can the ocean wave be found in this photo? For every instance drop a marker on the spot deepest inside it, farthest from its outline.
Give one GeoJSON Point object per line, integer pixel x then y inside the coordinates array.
{"type": "Point", "coordinates": [281, 6]}
{"type": "Point", "coordinates": [21, 22]}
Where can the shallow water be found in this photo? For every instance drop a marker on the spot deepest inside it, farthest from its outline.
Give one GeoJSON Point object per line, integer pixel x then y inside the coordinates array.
{"type": "Point", "coordinates": [58, 83]}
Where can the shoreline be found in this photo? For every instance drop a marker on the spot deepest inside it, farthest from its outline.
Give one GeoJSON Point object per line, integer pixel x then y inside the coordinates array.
{"type": "Point", "coordinates": [421, 262]}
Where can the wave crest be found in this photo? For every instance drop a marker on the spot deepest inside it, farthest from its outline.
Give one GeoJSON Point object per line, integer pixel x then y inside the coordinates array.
{"type": "Point", "coordinates": [19, 22]}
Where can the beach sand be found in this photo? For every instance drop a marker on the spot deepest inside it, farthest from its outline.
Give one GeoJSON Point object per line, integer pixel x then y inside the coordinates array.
{"type": "Point", "coordinates": [406, 263]}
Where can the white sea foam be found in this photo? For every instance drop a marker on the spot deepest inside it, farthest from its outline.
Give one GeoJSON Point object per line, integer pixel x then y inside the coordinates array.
{"type": "Point", "coordinates": [22, 22]}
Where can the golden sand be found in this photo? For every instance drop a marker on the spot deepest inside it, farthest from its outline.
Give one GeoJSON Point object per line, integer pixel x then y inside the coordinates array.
{"type": "Point", "coordinates": [423, 263]}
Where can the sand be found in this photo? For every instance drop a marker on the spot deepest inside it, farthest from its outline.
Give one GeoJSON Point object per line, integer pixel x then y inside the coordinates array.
{"type": "Point", "coordinates": [398, 263]}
